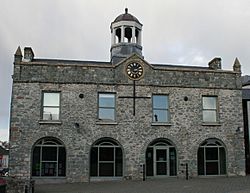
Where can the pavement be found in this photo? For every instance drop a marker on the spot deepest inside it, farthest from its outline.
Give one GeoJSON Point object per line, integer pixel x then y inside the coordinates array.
{"type": "Point", "coordinates": [168, 185]}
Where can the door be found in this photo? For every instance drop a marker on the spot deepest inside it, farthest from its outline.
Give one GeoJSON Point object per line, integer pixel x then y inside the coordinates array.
{"type": "Point", "coordinates": [161, 161]}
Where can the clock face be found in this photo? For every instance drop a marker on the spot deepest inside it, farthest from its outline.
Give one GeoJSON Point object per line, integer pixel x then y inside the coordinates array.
{"type": "Point", "coordinates": [134, 71]}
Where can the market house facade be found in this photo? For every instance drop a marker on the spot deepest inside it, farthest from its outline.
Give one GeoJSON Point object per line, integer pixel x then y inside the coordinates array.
{"type": "Point", "coordinates": [80, 121]}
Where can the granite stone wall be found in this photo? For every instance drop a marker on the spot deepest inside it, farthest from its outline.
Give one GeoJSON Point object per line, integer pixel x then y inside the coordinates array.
{"type": "Point", "coordinates": [185, 129]}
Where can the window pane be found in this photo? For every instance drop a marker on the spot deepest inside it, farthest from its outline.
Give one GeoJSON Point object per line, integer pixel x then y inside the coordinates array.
{"type": "Point", "coordinates": [161, 154]}
{"type": "Point", "coordinates": [106, 114]}
{"type": "Point", "coordinates": [172, 160]}
{"type": "Point", "coordinates": [118, 161]}
{"type": "Point", "coordinates": [49, 169]}
{"type": "Point", "coordinates": [50, 113]}
{"type": "Point", "coordinates": [62, 162]}
{"type": "Point", "coordinates": [209, 116]}
{"type": "Point", "coordinates": [51, 99]}
{"type": "Point", "coordinates": [106, 169]}
{"type": "Point", "coordinates": [106, 154]}
{"type": "Point", "coordinates": [93, 161]}
{"type": "Point", "coordinates": [201, 161]}
{"type": "Point", "coordinates": [160, 101]}
{"type": "Point", "coordinates": [160, 116]}
{"type": "Point", "coordinates": [212, 153]}
{"type": "Point", "coordinates": [149, 162]}
{"type": "Point", "coordinates": [209, 102]}
{"type": "Point", "coordinates": [36, 162]}
{"type": "Point", "coordinates": [212, 168]}
{"type": "Point", "coordinates": [161, 168]}
{"type": "Point", "coordinates": [222, 161]}
{"type": "Point", "coordinates": [49, 154]}
{"type": "Point", "coordinates": [106, 100]}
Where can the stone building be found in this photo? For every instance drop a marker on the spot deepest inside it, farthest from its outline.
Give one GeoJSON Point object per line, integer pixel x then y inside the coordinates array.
{"type": "Point", "coordinates": [77, 121]}
{"type": "Point", "coordinates": [246, 115]}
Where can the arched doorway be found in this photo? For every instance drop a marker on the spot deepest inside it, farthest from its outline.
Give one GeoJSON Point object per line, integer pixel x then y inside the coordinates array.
{"type": "Point", "coordinates": [211, 158]}
{"type": "Point", "coordinates": [106, 159]}
{"type": "Point", "coordinates": [161, 159]}
{"type": "Point", "coordinates": [49, 158]}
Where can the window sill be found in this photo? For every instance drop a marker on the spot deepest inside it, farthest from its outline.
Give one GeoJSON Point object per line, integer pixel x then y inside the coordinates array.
{"type": "Point", "coordinates": [161, 124]}
{"type": "Point", "coordinates": [211, 124]}
{"type": "Point", "coordinates": [50, 122]}
{"type": "Point", "coordinates": [106, 123]}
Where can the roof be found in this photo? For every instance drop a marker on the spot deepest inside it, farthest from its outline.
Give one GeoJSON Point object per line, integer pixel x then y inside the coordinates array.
{"type": "Point", "coordinates": [126, 17]}
{"type": "Point", "coordinates": [245, 80]}
{"type": "Point", "coordinates": [65, 62]}
{"type": "Point", "coordinates": [181, 66]}
{"type": "Point", "coordinates": [69, 62]}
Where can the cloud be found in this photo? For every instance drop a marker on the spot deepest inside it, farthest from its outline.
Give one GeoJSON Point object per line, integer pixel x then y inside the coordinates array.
{"type": "Point", "coordinates": [4, 135]}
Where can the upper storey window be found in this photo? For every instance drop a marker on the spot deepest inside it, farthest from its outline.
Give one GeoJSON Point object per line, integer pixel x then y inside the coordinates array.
{"type": "Point", "coordinates": [160, 108]}
{"type": "Point", "coordinates": [210, 109]}
{"type": "Point", "coordinates": [106, 109]}
{"type": "Point", "coordinates": [51, 106]}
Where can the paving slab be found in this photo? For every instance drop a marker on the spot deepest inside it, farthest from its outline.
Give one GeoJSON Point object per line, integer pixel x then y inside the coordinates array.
{"type": "Point", "coordinates": [169, 185]}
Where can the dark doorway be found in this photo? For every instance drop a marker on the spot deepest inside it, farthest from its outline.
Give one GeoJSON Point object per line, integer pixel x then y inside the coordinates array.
{"type": "Point", "coordinates": [161, 159]}
{"type": "Point", "coordinates": [211, 158]}
{"type": "Point", "coordinates": [106, 159]}
{"type": "Point", "coordinates": [49, 158]}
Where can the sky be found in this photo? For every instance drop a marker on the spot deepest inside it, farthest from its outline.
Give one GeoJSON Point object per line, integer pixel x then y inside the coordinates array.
{"type": "Point", "coordinates": [189, 32]}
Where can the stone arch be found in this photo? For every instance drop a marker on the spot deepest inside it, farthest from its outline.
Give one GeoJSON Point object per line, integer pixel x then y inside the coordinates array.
{"type": "Point", "coordinates": [148, 140]}
{"type": "Point", "coordinates": [196, 144]}
{"type": "Point", "coordinates": [98, 136]}
{"type": "Point", "coordinates": [118, 35]}
{"type": "Point", "coordinates": [55, 135]}
{"type": "Point", "coordinates": [128, 34]}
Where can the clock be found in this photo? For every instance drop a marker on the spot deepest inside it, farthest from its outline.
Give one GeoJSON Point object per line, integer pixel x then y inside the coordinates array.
{"type": "Point", "coordinates": [134, 70]}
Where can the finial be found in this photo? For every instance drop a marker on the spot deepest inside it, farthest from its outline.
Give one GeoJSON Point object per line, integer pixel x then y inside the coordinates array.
{"type": "Point", "coordinates": [126, 10]}
{"type": "Point", "coordinates": [237, 65]}
{"type": "Point", "coordinates": [18, 51]}
{"type": "Point", "coordinates": [18, 55]}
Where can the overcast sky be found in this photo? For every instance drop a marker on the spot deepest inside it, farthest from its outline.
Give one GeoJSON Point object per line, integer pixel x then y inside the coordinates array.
{"type": "Point", "coordinates": [190, 32]}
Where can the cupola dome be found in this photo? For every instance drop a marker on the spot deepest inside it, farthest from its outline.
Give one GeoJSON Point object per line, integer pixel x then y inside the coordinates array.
{"type": "Point", "coordinates": [126, 17]}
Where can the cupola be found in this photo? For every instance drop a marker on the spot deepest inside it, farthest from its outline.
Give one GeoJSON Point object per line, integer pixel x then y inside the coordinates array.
{"type": "Point", "coordinates": [125, 37]}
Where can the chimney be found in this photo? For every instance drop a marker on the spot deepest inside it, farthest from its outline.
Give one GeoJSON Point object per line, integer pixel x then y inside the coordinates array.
{"type": "Point", "coordinates": [28, 54]}
{"type": "Point", "coordinates": [215, 64]}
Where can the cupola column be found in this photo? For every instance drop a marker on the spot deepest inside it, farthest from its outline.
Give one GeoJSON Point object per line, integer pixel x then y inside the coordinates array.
{"type": "Point", "coordinates": [133, 35]}
{"type": "Point", "coordinates": [122, 33]}
{"type": "Point", "coordinates": [139, 37]}
{"type": "Point", "coordinates": [113, 37]}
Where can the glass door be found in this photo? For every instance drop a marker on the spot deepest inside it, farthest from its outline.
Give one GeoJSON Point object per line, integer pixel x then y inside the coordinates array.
{"type": "Point", "coordinates": [161, 161]}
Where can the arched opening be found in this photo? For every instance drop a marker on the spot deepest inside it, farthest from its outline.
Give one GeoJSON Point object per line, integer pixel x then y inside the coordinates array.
{"type": "Point", "coordinates": [106, 159]}
{"type": "Point", "coordinates": [118, 35]}
{"type": "Point", "coordinates": [161, 159]}
{"type": "Point", "coordinates": [49, 158]}
{"type": "Point", "coordinates": [137, 40]}
{"type": "Point", "coordinates": [128, 35]}
{"type": "Point", "coordinates": [211, 158]}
